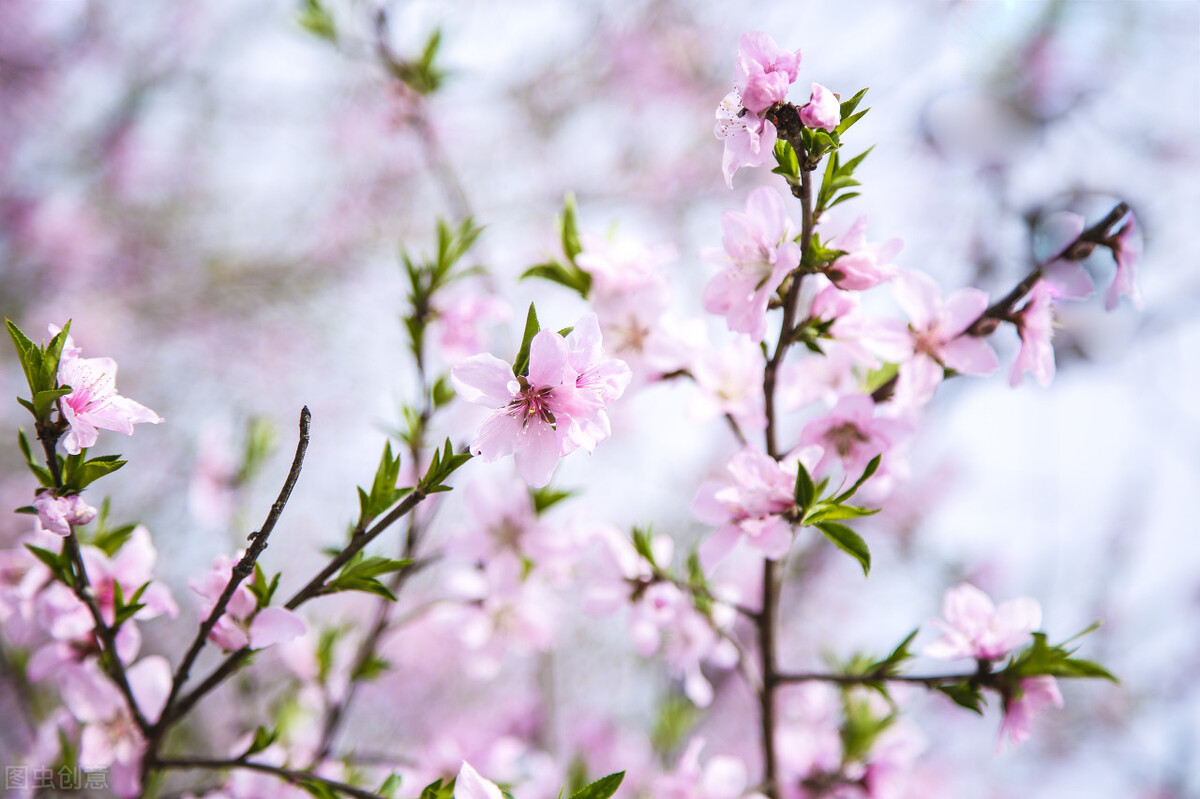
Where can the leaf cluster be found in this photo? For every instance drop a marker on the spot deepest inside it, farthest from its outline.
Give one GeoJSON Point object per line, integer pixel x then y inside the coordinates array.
{"type": "Point", "coordinates": [40, 364]}
{"type": "Point", "coordinates": [444, 464]}
{"type": "Point", "coordinates": [427, 277]}
{"type": "Point", "coordinates": [360, 574]}
{"type": "Point", "coordinates": [825, 514]}
{"type": "Point", "coordinates": [568, 274]}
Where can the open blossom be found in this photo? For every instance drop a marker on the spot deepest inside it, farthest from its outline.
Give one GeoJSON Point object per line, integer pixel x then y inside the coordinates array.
{"type": "Point", "coordinates": [243, 623]}
{"type": "Point", "coordinates": [822, 110]}
{"type": "Point", "coordinates": [94, 403]}
{"type": "Point", "coordinates": [1034, 694]}
{"type": "Point", "coordinates": [765, 71]}
{"type": "Point", "coordinates": [556, 408]}
{"type": "Point", "coordinates": [1035, 324]}
{"type": "Point", "coordinates": [974, 627]}
{"type": "Point", "coordinates": [749, 503]}
{"type": "Point", "coordinates": [759, 254]}
{"type": "Point", "coordinates": [1126, 250]}
{"type": "Point", "coordinates": [853, 434]}
{"type": "Point", "coordinates": [57, 514]}
{"type": "Point", "coordinates": [937, 336]}
{"type": "Point", "coordinates": [864, 265]}
{"type": "Point", "coordinates": [749, 140]}
{"type": "Point", "coordinates": [729, 380]}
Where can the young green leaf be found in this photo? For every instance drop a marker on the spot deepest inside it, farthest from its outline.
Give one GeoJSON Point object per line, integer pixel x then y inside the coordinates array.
{"type": "Point", "coordinates": [849, 542]}
{"type": "Point", "coordinates": [521, 363]}
{"type": "Point", "coordinates": [601, 788]}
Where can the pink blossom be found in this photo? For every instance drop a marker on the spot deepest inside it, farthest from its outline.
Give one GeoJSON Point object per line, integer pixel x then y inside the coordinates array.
{"type": "Point", "coordinates": [462, 318]}
{"type": "Point", "coordinates": [243, 624]}
{"type": "Point", "coordinates": [759, 254]}
{"type": "Point", "coordinates": [722, 777]}
{"type": "Point", "coordinates": [975, 628]}
{"type": "Point", "coordinates": [515, 612]}
{"type": "Point", "coordinates": [1033, 694]}
{"type": "Point", "coordinates": [765, 71]}
{"type": "Point", "coordinates": [110, 735]}
{"type": "Point", "coordinates": [853, 434]}
{"type": "Point", "coordinates": [822, 110]}
{"type": "Point", "coordinates": [1035, 324]}
{"type": "Point", "coordinates": [729, 380]}
{"type": "Point", "coordinates": [937, 336]}
{"type": "Point", "coordinates": [808, 740]}
{"type": "Point", "coordinates": [1065, 279]}
{"type": "Point", "coordinates": [749, 140]}
{"type": "Point", "coordinates": [864, 265]}
{"type": "Point", "coordinates": [94, 403]}
{"type": "Point", "coordinates": [557, 407]}
{"type": "Point", "coordinates": [1127, 250]}
{"type": "Point", "coordinates": [57, 514]}
{"type": "Point", "coordinates": [748, 503]}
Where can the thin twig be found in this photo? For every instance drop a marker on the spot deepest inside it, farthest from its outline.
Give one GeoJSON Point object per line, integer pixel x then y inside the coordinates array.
{"type": "Point", "coordinates": [287, 775]}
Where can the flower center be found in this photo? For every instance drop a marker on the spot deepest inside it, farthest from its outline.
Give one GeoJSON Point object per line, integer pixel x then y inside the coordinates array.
{"type": "Point", "coordinates": [846, 437]}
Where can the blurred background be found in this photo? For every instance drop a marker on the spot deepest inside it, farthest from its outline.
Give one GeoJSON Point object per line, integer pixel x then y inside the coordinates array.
{"type": "Point", "coordinates": [217, 197]}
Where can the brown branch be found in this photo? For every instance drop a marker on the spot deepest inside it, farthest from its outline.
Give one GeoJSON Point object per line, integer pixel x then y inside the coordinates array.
{"type": "Point", "coordinates": [241, 571]}
{"type": "Point", "coordinates": [290, 776]}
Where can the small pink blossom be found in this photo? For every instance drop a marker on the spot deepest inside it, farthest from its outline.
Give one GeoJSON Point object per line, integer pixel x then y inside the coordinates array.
{"type": "Point", "coordinates": [937, 336]}
{"type": "Point", "coordinates": [748, 502]}
{"type": "Point", "coordinates": [94, 403]}
{"type": "Point", "coordinates": [822, 110]}
{"type": "Point", "coordinates": [1035, 324]}
{"type": "Point", "coordinates": [749, 140]}
{"type": "Point", "coordinates": [57, 514]}
{"type": "Point", "coordinates": [1033, 695]}
{"type": "Point", "coordinates": [1127, 250]}
{"type": "Point", "coordinates": [243, 624]}
{"type": "Point", "coordinates": [976, 628]}
{"type": "Point", "coordinates": [853, 434]}
{"type": "Point", "coordinates": [462, 318]}
{"type": "Point", "coordinates": [864, 265]}
{"type": "Point", "coordinates": [765, 71]}
{"type": "Point", "coordinates": [759, 253]}
{"type": "Point", "coordinates": [729, 380]}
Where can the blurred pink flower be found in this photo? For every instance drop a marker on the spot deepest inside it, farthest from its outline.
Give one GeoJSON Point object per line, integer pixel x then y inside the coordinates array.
{"type": "Point", "coordinates": [722, 777]}
{"type": "Point", "coordinates": [1034, 694]}
{"type": "Point", "coordinates": [864, 265]}
{"type": "Point", "coordinates": [57, 514]}
{"type": "Point", "coordinates": [1035, 324]}
{"type": "Point", "coordinates": [243, 623]}
{"type": "Point", "coordinates": [110, 736]}
{"type": "Point", "coordinates": [822, 110]}
{"type": "Point", "coordinates": [765, 71]}
{"type": "Point", "coordinates": [94, 403]}
{"type": "Point", "coordinates": [975, 628]}
{"type": "Point", "coordinates": [853, 434]}
{"type": "Point", "coordinates": [729, 380]}
{"type": "Point", "coordinates": [1127, 250]}
{"type": "Point", "coordinates": [759, 254]}
{"type": "Point", "coordinates": [461, 321]}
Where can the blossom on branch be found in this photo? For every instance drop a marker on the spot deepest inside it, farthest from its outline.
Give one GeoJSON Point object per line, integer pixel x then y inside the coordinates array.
{"type": "Point", "coordinates": [57, 514]}
{"type": "Point", "coordinates": [94, 403]}
{"type": "Point", "coordinates": [823, 110]}
{"type": "Point", "coordinates": [1127, 251]}
{"type": "Point", "coordinates": [974, 627]}
{"type": "Point", "coordinates": [1033, 694]}
{"type": "Point", "coordinates": [760, 251]}
{"type": "Point", "coordinates": [243, 623]}
{"type": "Point", "coordinates": [765, 71]}
{"type": "Point", "coordinates": [1035, 324]}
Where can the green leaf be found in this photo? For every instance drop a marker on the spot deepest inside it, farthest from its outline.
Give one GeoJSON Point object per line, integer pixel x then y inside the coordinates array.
{"type": "Point", "coordinates": [850, 105]}
{"type": "Point", "coordinates": [40, 472]}
{"type": "Point", "coordinates": [806, 490]}
{"type": "Point", "coordinates": [569, 231]}
{"type": "Point", "coordinates": [848, 122]}
{"type": "Point", "coordinates": [849, 542]}
{"type": "Point", "coordinates": [111, 541]}
{"type": "Point", "coordinates": [872, 467]}
{"type": "Point", "coordinates": [318, 789]}
{"type": "Point", "coordinates": [601, 788]}
{"type": "Point", "coordinates": [888, 665]}
{"type": "Point", "coordinates": [263, 738]}
{"type": "Point", "coordinates": [389, 787]}
{"type": "Point", "coordinates": [79, 475]}
{"type": "Point", "coordinates": [521, 364]}
{"type": "Point", "coordinates": [788, 164]}
{"type": "Point", "coordinates": [50, 358]}
{"type": "Point", "coordinates": [371, 668]}
{"type": "Point", "coordinates": [572, 277]}
{"type": "Point", "coordinates": [965, 694]}
{"type": "Point", "coordinates": [58, 564]}
{"type": "Point", "coordinates": [829, 512]}
{"type": "Point", "coordinates": [642, 544]}
{"type": "Point", "coordinates": [442, 393]}
{"type": "Point", "coordinates": [315, 19]}
{"type": "Point", "coordinates": [43, 401]}
{"type": "Point", "coordinates": [545, 498]}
